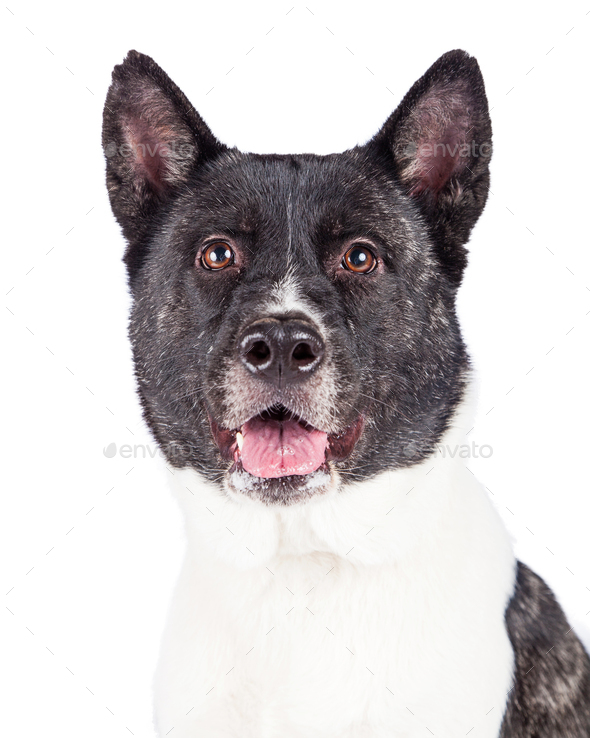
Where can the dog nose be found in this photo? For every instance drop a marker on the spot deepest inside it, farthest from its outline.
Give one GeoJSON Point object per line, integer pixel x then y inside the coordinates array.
{"type": "Point", "coordinates": [281, 350]}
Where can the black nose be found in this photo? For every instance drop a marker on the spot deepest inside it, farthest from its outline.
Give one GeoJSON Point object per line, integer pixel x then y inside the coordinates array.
{"type": "Point", "coordinates": [281, 350]}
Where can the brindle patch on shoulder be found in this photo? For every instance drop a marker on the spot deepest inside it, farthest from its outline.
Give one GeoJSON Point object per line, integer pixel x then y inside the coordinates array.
{"type": "Point", "coordinates": [551, 693]}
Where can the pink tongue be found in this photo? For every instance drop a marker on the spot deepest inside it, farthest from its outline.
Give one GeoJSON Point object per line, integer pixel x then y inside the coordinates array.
{"type": "Point", "coordinates": [274, 448]}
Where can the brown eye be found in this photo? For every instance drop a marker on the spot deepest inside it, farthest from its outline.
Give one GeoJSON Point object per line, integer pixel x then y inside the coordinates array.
{"type": "Point", "coordinates": [359, 259]}
{"type": "Point", "coordinates": [217, 256]}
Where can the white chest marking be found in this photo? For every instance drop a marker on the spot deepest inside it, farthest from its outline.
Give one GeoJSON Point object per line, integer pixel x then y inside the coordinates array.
{"type": "Point", "coordinates": [374, 611]}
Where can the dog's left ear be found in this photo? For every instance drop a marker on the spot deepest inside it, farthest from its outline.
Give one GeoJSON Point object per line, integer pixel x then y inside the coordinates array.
{"type": "Point", "coordinates": [440, 142]}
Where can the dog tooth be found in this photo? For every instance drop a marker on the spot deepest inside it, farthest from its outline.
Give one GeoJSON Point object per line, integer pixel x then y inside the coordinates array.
{"type": "Point", "coordinates": [240, 440]}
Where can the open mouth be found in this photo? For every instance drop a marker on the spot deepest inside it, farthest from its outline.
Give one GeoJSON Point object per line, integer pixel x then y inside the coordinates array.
{"type": "Point", "coordinates": [277, 443]}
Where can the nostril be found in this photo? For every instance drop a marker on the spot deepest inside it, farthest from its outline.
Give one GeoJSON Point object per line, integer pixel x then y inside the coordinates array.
{"type": "Point", "coordinates": [280, 350]}
{"type": "Point", "coordinates": [303, 354]}
{"type": "Point", "coordinates": [258, 354]}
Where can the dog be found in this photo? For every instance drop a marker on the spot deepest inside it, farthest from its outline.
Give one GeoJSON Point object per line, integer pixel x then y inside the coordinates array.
{"type": "Point", "coordinates": [299, 361]}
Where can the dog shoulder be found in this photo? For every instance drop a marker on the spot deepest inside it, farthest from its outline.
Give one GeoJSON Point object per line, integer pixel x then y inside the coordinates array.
{"type": "Point", "coordinates": [550, 697]}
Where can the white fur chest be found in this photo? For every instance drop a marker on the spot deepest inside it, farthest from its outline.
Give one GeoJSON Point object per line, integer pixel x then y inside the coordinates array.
{"type": "Point", "coordinates": [377, 611]}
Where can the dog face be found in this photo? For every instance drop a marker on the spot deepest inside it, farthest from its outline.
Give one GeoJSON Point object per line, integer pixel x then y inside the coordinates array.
{"type": "Point", "coordinates": [293, 321]}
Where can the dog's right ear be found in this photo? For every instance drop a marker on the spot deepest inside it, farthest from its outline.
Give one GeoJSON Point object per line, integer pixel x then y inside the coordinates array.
{"type": "Point", "coordinates": [153, 139]}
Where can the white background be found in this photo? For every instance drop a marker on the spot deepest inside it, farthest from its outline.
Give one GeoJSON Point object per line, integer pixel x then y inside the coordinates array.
{"type": "Point", "coordinates": [91, 545]}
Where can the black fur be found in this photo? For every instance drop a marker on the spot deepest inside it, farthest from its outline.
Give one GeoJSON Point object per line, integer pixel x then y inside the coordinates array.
{"type": "Point", "coordinates": [401, 320]}
{"type": "Point", "coordinates": [551, 693]}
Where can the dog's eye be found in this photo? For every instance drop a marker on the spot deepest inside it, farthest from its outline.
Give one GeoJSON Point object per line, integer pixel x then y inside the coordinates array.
{"type": "Point", "coordinates": [217, 256]}
{"type": "Point", "coordinates": [359, 259]}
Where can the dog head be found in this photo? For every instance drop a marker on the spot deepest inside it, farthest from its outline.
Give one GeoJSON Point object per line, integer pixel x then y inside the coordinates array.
{"type": "Point", "coordinates": [293, 320]}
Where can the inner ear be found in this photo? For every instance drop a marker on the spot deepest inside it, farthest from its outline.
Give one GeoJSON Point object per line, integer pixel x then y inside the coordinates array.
{"type": "Point", "coordinates": [158, 146]}
{"type": "Point", "coordinates": [435, 145]}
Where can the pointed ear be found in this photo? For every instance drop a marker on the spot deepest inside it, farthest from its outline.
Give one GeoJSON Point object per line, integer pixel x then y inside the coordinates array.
{"type": "Point", "coordinates": [440, 142]}
{"type": "Point", "coordinates": [152, 138]}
